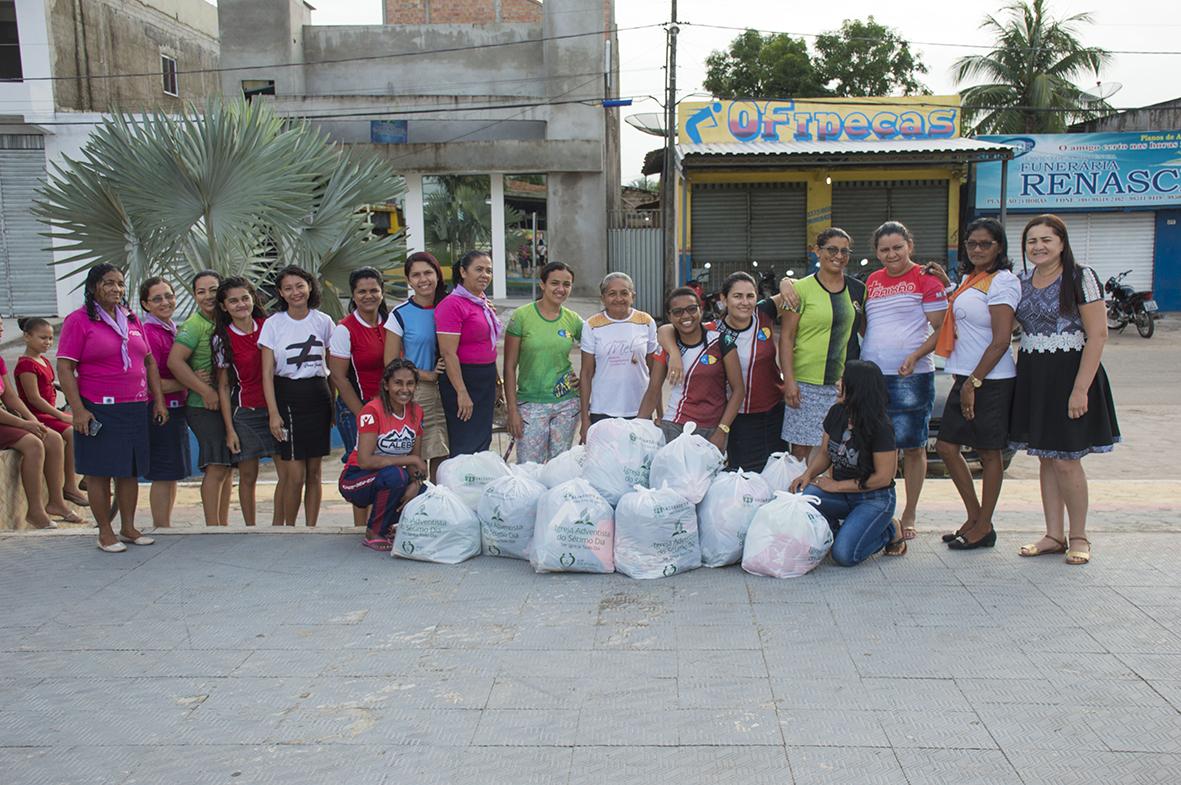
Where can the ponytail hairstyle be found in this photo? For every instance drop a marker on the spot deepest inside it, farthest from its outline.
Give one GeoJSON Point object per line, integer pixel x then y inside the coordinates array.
{"type": "Point", "coordinates": [680, 291]}
{"type": "Point", "coordinates": [146, 287]}
{"type": "Point", "coordinates": [997, 230]}
{"type": "Point", "coordinates": [864, 390]}
{"type": "Point", "coordinates": [465, 262]}
{"type": "Point", "coordinates": [28, 324]}
{"type": "Point", "coordinates": [1068, 296]}
{"type": "Point", "coordinates": [94, 276]}
{"type": "Point", "coordinates": [738, 277]}
{"type": "Point", "coordinates": [891, 227]}
{"type": "Point", "coordinates": [440, 283]}
{"type": "Point", "coordinates": [222, 320]}
{"type": "Point", "coordinates": [364, 274]}
{"type": "Point", "coordinates": [397, 364]}
{"type": "Point", "coordinates": [831, 232]}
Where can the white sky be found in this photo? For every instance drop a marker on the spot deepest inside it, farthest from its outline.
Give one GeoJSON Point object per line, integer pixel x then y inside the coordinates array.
{"type": "Point", "coordinates": [1118, 25]}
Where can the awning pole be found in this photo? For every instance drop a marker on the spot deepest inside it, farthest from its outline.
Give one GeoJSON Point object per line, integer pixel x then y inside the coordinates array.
{"type": "Point", "coordinates": [1004, 190]}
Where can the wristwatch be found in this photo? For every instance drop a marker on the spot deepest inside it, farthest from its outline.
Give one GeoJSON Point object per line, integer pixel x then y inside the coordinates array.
{"type": "Point", "coordinates": [723, 427]}
{"type": "Point", "coordinates": [972, 380]}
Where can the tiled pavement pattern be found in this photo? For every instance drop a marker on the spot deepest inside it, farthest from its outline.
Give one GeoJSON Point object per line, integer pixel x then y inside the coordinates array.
{"type": "Point", "coordinates": [308, 659]}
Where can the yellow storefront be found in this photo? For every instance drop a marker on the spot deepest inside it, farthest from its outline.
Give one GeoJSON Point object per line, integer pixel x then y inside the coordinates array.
{"type": "Point", "coordinates": [757, 180]}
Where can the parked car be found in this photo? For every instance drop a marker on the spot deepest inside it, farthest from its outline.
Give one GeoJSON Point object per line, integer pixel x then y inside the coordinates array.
{"type": "Point", "coordinates": [943, 384]}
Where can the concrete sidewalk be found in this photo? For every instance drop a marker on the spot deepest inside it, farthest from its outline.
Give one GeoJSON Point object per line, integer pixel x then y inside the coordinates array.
{"type": "Point", "coordinates": [296, 659]}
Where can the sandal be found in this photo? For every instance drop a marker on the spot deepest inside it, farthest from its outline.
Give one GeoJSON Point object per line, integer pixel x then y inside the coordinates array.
{"type": "Point", "coordinates": [1079, 557]}
{"type": "Point", "coordinates": [1033, 550]}
{"type": "Point", "coordinates": [897, 547]}
{"type": "Point", "coordinates": [77, 498]}
{"type": "Point", "coordinates": [378, 544]}
{"type": "Point", "coordinates": [70, 517]}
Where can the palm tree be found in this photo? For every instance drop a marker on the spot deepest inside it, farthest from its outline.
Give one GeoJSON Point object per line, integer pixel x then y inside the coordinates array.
{"type": "Point", "coordinates": [458, 218]}
{"type": "Point", "coordinates": [1030, 74]}
{"type": "Point", "coordinates": [234, 188]}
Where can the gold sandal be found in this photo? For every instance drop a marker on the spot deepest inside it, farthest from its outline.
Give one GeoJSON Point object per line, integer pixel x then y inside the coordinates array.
{"type": "Point", "coordinates": [1033, 550]}
{"type": "Point", "coordinates": [1079, 557]}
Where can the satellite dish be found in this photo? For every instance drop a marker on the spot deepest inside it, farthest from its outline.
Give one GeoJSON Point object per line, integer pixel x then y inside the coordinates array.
{"type": "Point", "coordinates": [648, 122]}
{"type": "Point", "coordinates": [1101, 92]}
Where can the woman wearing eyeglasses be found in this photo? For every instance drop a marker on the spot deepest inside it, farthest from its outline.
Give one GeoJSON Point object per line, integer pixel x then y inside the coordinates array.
{"type": "Point", "coordinates": [817, 337]}
{"type": "Point", "coordinates": [975, 338]}
{"type": "Point", "coordinates": [710, 365]}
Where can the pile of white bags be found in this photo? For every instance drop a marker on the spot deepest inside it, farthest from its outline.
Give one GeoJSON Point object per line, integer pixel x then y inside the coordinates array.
{"type": "Point", "coordinates": [437, 527]}
{"type": "Point", "coordinates": [725, 513]}
{"type": "Point", "coordinates": [782, 469]}
{"type": "Point", "coordinates": [686, 465]}
{"type": "Point", "coordinates": [506, 511]}
{"type": "Point", "coordinates": [787, 538]}
{"type": "Point", "coordinates": [574, 530]}
{"type": "Point", "coordinates": [467, 475]}
{"type": "Point", "coordinates": [530, 469]}
{"type": "Point", "coordinates": [619, 454]}
{"type": "Point", "coordinates": [655, 534]}
{"type": "Point", "coordinates": [567, 466]}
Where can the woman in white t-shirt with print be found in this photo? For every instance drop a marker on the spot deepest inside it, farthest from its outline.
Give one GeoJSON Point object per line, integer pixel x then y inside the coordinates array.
{"type": "Point", "coordinates": [617, 348]}
{"type": "Point", "coordinates": [976, 339]}
{"type": "Point", "coordinates": [294, 345]}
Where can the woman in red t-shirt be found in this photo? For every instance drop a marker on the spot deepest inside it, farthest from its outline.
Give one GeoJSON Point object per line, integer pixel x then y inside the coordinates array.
{"type": "Point", "coordinates": [35, 385]}
{"type": "Point", "coordinates": [386, 469]}
{"type": "Point", "coordinates": [237, 321]}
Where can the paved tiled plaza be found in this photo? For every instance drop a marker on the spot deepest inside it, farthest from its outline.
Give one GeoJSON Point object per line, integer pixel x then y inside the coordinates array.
{"type": "Point", "coordinates": [293, 658]}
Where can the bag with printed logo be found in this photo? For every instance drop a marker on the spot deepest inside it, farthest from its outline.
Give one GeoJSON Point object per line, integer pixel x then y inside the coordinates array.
{"type": "Point", "coordinates": [567, 466]}
{"type": "Point", "coordinates": [787, 538]}
{"type": "Point", "coordinates": [506, 512]}
{"type": "Point", "coordinates": [686, 464]}
{"type": "Point", "coordinates": [436, 526]}
{"type": "Point", "coordinates": [724, 515]}
{"type": "Point", "coordinates": [782, 469]}
{"type": "Point", "coordinates": [619, 455]}
{"type": "Point", "coordinates": [573, 531]}
{"type": "Point", "coordinates": [467, 475]}
{"type": "Point", "coordinates": [655, 534]}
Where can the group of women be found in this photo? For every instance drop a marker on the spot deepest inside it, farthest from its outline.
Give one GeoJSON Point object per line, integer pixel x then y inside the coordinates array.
{"type": "Point", "coordinates": [840, 370]}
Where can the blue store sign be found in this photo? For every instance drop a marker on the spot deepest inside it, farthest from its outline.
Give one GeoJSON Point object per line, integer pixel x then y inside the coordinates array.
{"type": "Point", "coordinates": [1085, 172]}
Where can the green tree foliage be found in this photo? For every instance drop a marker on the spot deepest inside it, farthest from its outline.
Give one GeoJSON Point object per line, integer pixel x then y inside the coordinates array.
{"type": "Point", "coordinates": [1030, 73]}
{"type": "Point", "coordinates": [866, 58]}
{"type": "Point", "coordinates": [860, 59]}
{"type": "Point", "coordinates": [458, 218]}
{"type": "Point", "coordinates": [232, 188]}
{"type": "Point", "coordinates": [762, 66]}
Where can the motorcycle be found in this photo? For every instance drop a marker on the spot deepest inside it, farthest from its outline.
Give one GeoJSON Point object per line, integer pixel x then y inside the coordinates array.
{"type": "Point", "coordinates": [1126, 305]}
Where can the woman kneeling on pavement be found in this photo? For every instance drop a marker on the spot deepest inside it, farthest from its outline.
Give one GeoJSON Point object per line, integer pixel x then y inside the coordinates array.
{"type": "Point", "coordinates": [857, 498]}
{"type": "Point", "coordinates": [386, 469]}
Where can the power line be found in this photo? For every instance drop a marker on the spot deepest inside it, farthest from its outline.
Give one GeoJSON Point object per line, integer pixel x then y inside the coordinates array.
{"type": "Point", "coordinates": [918, 43]}
{"type": "Point", "coordinates": [336, 60]}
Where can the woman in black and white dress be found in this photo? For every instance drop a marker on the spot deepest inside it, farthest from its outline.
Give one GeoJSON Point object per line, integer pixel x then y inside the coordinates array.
{"type": "Point", "coordinates": [294, 344]}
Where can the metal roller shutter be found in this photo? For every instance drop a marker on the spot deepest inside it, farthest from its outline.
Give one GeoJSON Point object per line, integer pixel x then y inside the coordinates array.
{"type": "Point", "coordinates": [1109, 243]}
{"type": "Point", "coordinates": [26, 278]}
{"type": "Point", "coordinates": [861, 207]}
{"type": "Point", "coordinates": [734, 225]}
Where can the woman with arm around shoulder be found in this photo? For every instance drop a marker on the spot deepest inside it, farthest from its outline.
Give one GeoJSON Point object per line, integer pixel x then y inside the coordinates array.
{"type": "Point", "coordinates": [386, 469]}
{"type": "Point", "coordinates": [976, 339]}
{"type": "Point", "coordinates": [902, 305]}
{"type": "Point", "coordinates": [540, 387]}
{"type": "Point", "coordinates": [108, 375]}
{"type": "Point", "coordinates": [817, 336]}
{"type": "Point", "coordinates": [410, 333]}
{"type": "Point", "coordinates": [1062, 404]}
{"type": "Point", "coordinates": [355, 357]}
{"type": "Point", "coordinates": [618, 345]}
{"type": "Point", "coordinates": [711, 366]}
{"type": "Point", "coordinates": [468, 330]}
{"type": "Point", "coordinates": [171, 460]}
{"type": "Point", "coordinates": [294, 345]}
{"type": "Point", "coordinates": [238, 359]}
{"type": "Point", "coordinates": [852, 471]}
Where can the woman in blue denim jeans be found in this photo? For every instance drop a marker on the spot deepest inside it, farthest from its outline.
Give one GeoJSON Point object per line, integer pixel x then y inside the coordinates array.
{"type": "Point", "coordinates": [857, 495]}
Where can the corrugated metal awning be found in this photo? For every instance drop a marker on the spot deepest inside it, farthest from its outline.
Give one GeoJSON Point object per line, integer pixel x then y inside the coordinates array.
{"type": "Point", "coordinates": [838, 153]}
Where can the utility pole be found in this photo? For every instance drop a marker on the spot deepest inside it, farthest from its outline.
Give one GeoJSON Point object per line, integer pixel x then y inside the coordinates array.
{"type": "Point", "coordinates": [668, 177]}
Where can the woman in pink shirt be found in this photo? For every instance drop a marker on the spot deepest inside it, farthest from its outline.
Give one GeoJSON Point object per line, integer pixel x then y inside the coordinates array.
{"type": "Point", "coordinates": [468, 329]}
{"type": "Point", "coordinates": [106, 371]}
